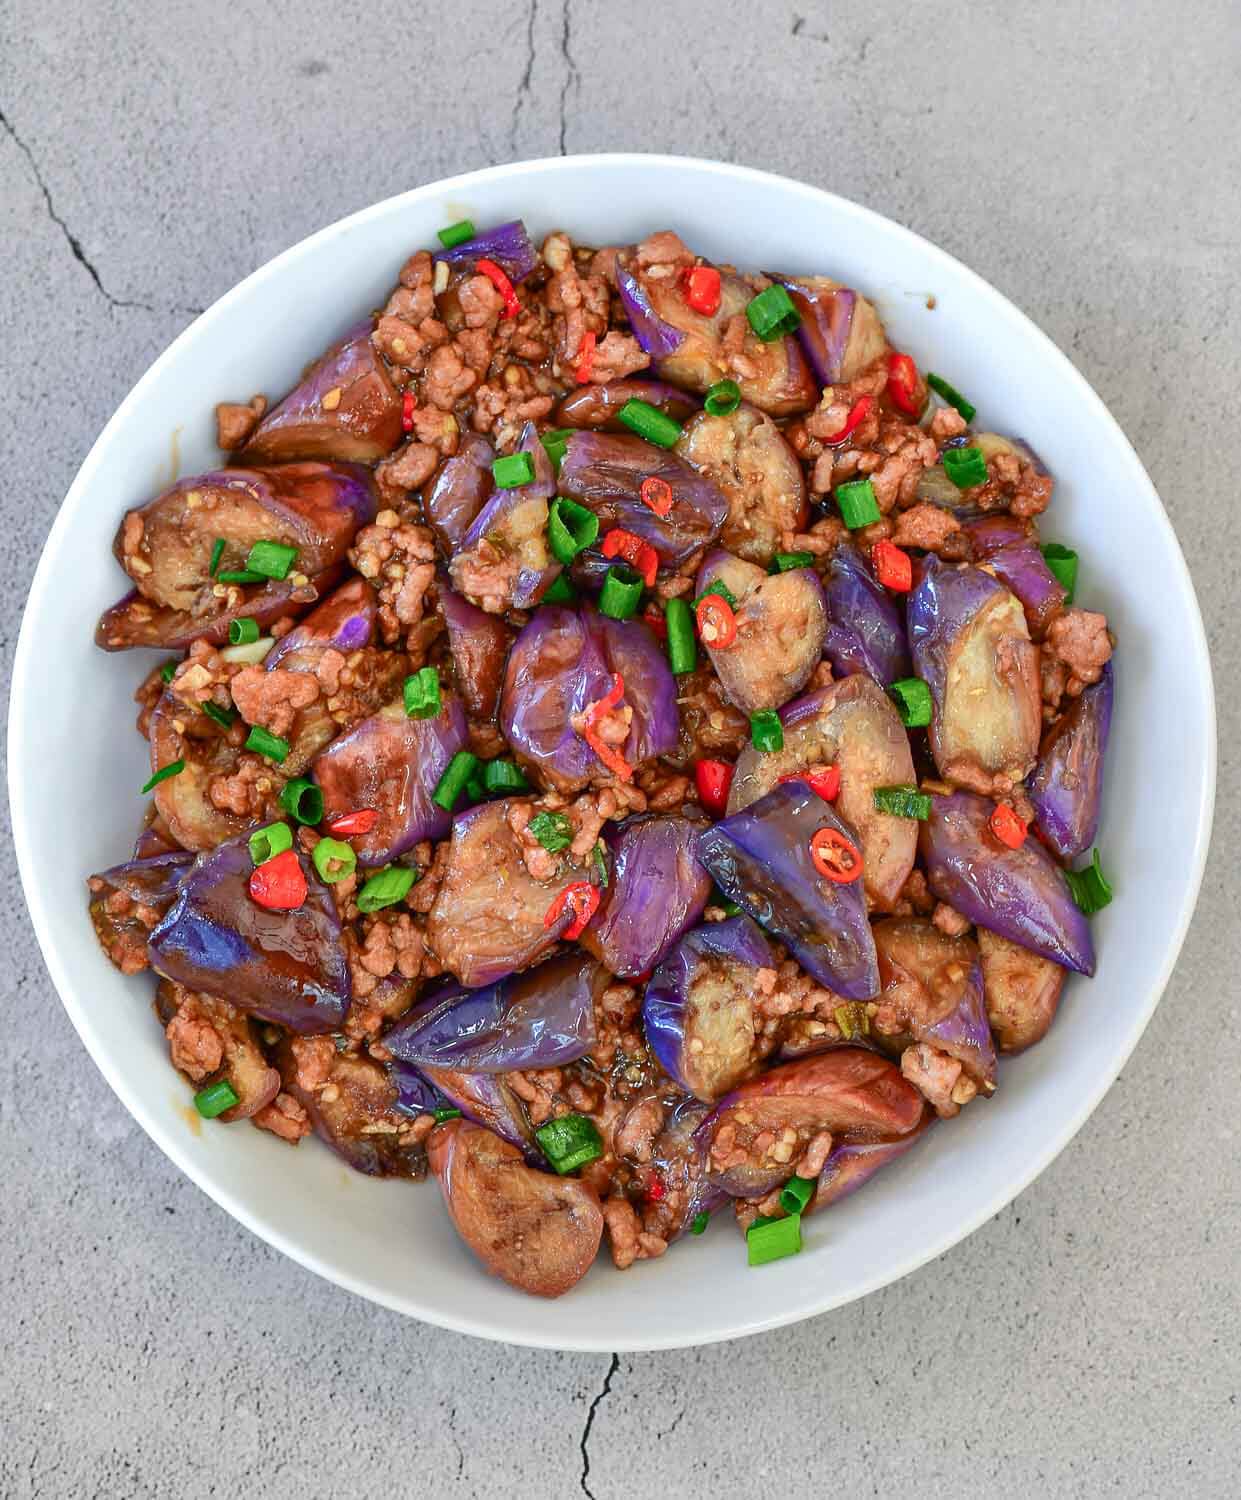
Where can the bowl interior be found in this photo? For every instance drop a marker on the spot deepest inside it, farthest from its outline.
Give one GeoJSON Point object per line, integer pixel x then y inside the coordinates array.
{"type": "Point", "coordinates": [76, 804]}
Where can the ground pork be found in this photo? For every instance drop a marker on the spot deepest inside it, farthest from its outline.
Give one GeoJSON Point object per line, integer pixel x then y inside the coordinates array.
{"type": "Point", "coordinates": [284, 1117]}
{"type": "Point", "coordinates": [1079, 638]}
{"type": "Point", "coordinates": [932, 529]}
{"type": "Point", "coordinates": [235, 424]}
{"type": "Point", "coordinates": [1015, 485]}
{"type": "Point", "coordinates": [400, 560]}
{"type": "Point", "coordinates": [273, 698]}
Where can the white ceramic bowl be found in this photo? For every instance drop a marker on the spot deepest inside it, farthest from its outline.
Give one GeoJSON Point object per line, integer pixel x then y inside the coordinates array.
{"type": "Point", "coordinates": [76, 765]}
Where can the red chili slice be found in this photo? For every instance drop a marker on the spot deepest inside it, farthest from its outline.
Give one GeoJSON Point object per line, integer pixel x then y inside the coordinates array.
{"type": "Point", "coordinates": [655, 1189]}
{"type": "Point", "coordinates": [825, 784]}
{"type": "Point", "coordinates": [654, 618]}
{"type": "Point", "coordinates": [502, 284]}
{"type": "Point", "coordinates": [656, 495]}
{"type": "Point", "coordinates": [586, 359]}
{"type": "Point", "coordinates": [893, 568]}
{"type": "Point", "coordinates": [1008, 827]}
{"type": "Point", "coordinates": [582, 899]}
{"type": "Point", "coordinates": [278, 884]}
{"type": "Point", "coordinates": [714, 779]}
{"type": "Point", "coordinates": [407, 411]}
{"type": "Point", "coordinates": [904, 387]}
{"type": "Point", "coordinates": [613, 759]}
{"type": "Point", "coordinates": [701, 285]}
{"type": "Point", "coordinates": [352, 823]}
{"type": "Point", "coordinates": [637, 553]}
{"type": "Point", "coordinates": [717, 625]}
{"type": "Point", "coordinates": [835, 857]}
{"type": "Point", "coordinates": [858, 413]}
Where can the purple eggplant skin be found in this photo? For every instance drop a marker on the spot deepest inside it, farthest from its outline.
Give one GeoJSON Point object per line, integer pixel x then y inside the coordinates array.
{"type": "Point", "coordinates": [344, 622]}
{"type": "Point", "coordinates": [760, 858]}
{"type": "Point", "coordinates": [1020, 893]}
{"type": "Point", "coordinates": [656, 891]}
{"type": "Point", "coordinates": [970, 643]}
{"type": "Point", "coordinates": [488, 1100]}
{"type": "Point", "coordinates": [208, 750]}
{"type": "Point", "coordinates": [151, 886]}
{"type": "Point", "coordinates": [540, 1019]}
{"type": "Point", "coordinates": [746, 455]}
{"type": "Point", "coordinates": [1066, 786]}
{"type": "Point", "coordinates": [656, 336]}
{"type": "Point", "coordinates": [361, 422]}
{"type": "Point", "coordinates": [866, 629]}
{"type": "Point", "coordinates": [604, 472]}
{"type": "Point", "coordinates": [1012, 552]}
{"type": "Point", "coordinates": [134, 621]}
{"type": "Point", "coordinates": [359, 1116]}
{"type": "Point", "coordinates": [1022, 992]}
{"type": "Point", "coordinates": [932, 992]}
{"type": "Point", "coordinates": [598, 406]}
{"type": "Point", "coordinates": [703, 992]}
{"type": "Point", "coordinates": [852, 725]}
{"type": "Point", "coordinates": [415, 1093]}
{"type": "Point", "coordinates": [840, 331]}
{"type": "Point", "coordinates": [852, 1093]}
{"type": "Point", "coordinates": [504, 561]}
{"type": "Point", "coordinates": [458, 490]}
{"type": "Point", "coordinates": [563, 661]}
{"type": "Point", "coordinates": [781, 626]}
{"type": "Point", "coordinates": [508, 245]}
{"type": "Point", "coordinates": [283, 966]}
{"type": "Point", "coordinates": [488, 916]}
{"type": "Point", "coordinates": [392, 763]}
{"type": "Point", "coordinates": [244, 1064]}
{"type": "Point", "coordinates": [678, 1156]}
{"type": "Point", "coordinates": [479, 643]}
{"type": "Point", "coordinates": [851, 1164]}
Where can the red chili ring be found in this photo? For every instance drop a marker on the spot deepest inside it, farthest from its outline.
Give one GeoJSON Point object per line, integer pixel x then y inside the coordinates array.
{"type": "Point", "coordinates": [828, 839]}
{"type": "Point", "coordinates": [582, 899]}
{"type": "Point", "coordinates": [656, 495]}
{"type": "Point", "coordinates": [716, 611]}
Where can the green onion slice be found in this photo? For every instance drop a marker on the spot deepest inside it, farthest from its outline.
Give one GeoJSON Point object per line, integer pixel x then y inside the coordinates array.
{"type": "Point", "coordinates": [766, 731]}
{"type": "Point", "coordinates": [513, 470]}
{"type": "Point", "coordinates": [271, 559]}
{"type": "Point", "coordinates": [773, 1239]}
{"type": "Point", "coordinates": [242, 575]}
{"type": "Point", "coordinates": [699, 1222]}
{"type": "Point", "coordinates": [215, 1099]}
{"type": "Point", "coordinates": [569, 1142]}
{"type": "Point", "coordinates": [561, 592]}
{"type": "Point", "coordinates": [723, 397]}
{"type": "Point", "coordinates": [169, 670]}
{"type": "Point", "coordinates": [266, 843]}
{"type": "Point", "coordinates": [553, 830]}
{"type": "Point", "coordinates": [796, 1193]}
{"type": "Point", "coordinates": [456, 234]}
{"type": "Point", "coordinates": [853, 1019]}
{"type": "Point", "coordinates": [243, 632]}
{"type": "Point", "coordinates": [386, 888]}
{"type": "Point", "coordinates": [302, 800]}
{"type": "Point", "coordinates": [1090, 887]}
{"type": "Point", "coordinates": [650, 423]}
{"type": "Point", "coordinates": [446, 1112]}
{"type": "Point", "coordinates": [682, 648]}
{"type": "Point", "coordinates": [334, 860]}
{"type": "Point", "coordinates": [858, 506]}
{"type": "Point", "coordinates": [571, 528]}
{"type": "Point", "coordinates": [173, 768]}
{"type": "Point", "coordinates": [785, 562]}
{"type": "Point", "coordinates": [1063, 563]}
{"type": "Point", "coordinates": [622, 592]}
{"type": "Point", "coordinates": [452, 783]}
{"type": "Point", "coordinates": [555, 444]}
{"type": "Point", "coordinates": [217, 552]}
{"type": "Point", "coordinates": [902, 802]}
{"type": "Point", "coordinates": [965, 467]}
{"type": "Point", "coordinates": [224, 717]}
{"type": "Point", "coordinates": [952, 396]}
{"type": "Point", "coordinates": [912, 697]}
{"type": "Point", "coordinates": [422, 694]}
{"type": "Point", "coordinates": [504, 776]}
{"type": "Point", "coordinates": [771, 314]}
{"type": "Point", "coordinates": [601, 864]}
{"type": "Point", "coordinates": [263, 742]}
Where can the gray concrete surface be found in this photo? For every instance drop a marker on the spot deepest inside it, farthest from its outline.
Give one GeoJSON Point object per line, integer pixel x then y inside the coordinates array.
{"type": "Point", "coordinates": [1085, 160]}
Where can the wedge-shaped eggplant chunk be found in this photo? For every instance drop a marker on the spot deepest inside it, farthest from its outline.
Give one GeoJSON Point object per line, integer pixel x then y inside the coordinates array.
{"type": "Point", "coordinates": [1022, 991]}
{"type": "Point", "coordinates": [599, 406]}
{"type": "Point", "coordinates": [1066, 786]}
{"type": "Point", "coordinates": [840, 332]}
{"type": "Point", "coordinates": [127, 901]}
{"type": "Point", "coordinates": [212, 1041]}
{"type": "Point", "coordinates": [537, 1232]}
{"type": "Point", "coordinates": [852, 1164]}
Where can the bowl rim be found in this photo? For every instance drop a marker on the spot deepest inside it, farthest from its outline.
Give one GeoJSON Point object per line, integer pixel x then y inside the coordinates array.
{"type": "Point", "coordinates": [22, 799]}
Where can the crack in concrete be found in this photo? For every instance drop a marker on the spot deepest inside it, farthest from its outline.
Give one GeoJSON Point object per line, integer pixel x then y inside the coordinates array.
{"type": "Point", "coordinates": [572, 78]}
{"type": "Point", "coordinates": [584, 1440]}
{"type": "Point", "coordinates": [75, 245]}
{"type": "Point", "coordinates": [523, 84]}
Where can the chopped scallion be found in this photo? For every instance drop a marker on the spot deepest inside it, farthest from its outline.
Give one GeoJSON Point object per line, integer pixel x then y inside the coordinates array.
{"type": "Point", "coordinates": [785, 562]}
{"type": "Point", "coordinates": [553, 831]}
{"type": "Point", "coordinates": [242, 575]}
{"type": "Point", "coordinates": [902, 802]}
{"type": "Point", "coordinates": [173, 768]}
{"type": "Point", "coordinates": [858, 506]}
{"type": "Point", "coordinates": [650, 423]}
{"type": "Point", "coordinates": [561, 592]}
{"type": "Point", "coordinates": [456, 234]}
{"type": "Point", "coordinates": [912, 697]}
{"type": "Point", "coordinates": [215, 1099]}
{"type": "Point", "coordinates": [796, 1193]}
{"type": "Point", "coordinates": [952, 396]}
{"type": "Point", "coordinates": [601, 863]}
{"type": "Point", "coordinates": [966, 467]}
{"type": "Point", "coordinates": [266, 843]}
{"type": "Point", "coordinates": [853, 1019]}
{"type": "Point", "coordinates": [217, 552]}
{"type": "Point", "coordinates": [682, 648]}
{"type": "Point", "coordinates": [271, 559]}
{"type": "Point", "coordinates": [571, 528]}
{"type": "Point", "coordinates": [263, 742]}
{"type": "Point", "coordinates": [503, 776]}
{"type": "Point", "coordinates": [699, 1222]}
{"type": "Point", "coordinates": [771, 314]}
{"type": "Point", "coordinates": [302, 800]}
{"type": "Point", "coordinates": [622, 592]}
{"type": "Point", "coordinates": [1063, 563]}
{"type": "Point", "coordinates": [1090, 887]}
{"type": "Point", "coordinates": [773, 1239]}
{"type": "Point", "coordinates": [422, 694]}
{"type": "Point", "coordinates": [224, 717]}
{"type": "Point", "coordinates": [766, 731]}
{"type": "Point", "coordinates": [243, 631]}
{"type": "Point", "coordinates": [723, 397]}
{"type": "Point", "coordinates": [555, 444]}
{"type": "Point", "coordinates": [452, 783]}
{"type": "Point", "coordinates": [446, 1112]}
{"type": "Point", "coordinates": [334, 860]}
{"type": "Point", "coordinates": [386, 888]}
{"type": "Point", "coordinates": [169, 670]}
{"type": "Point", "coordinates": [569, 1142]}
{"type": "Point", "coordinates": [513, 470]}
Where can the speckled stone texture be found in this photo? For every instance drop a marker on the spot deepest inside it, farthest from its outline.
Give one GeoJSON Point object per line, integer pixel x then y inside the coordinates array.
{"type": "Point", "coordinates": [1085, 159]}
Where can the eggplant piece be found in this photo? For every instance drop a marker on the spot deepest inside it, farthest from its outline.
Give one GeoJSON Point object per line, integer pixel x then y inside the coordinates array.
{"type": "Point", "coordinates": [698, 1009]}
{"type": "Point", "coordinates": [458, 490]}
{"type": "Point", "coordinates": [781, 626]}
{"type": "Point", "coordinates": [134, 621]}
{"type": "Point", "coordinates": [564, 661]}
{"type": "Point", "coordinates": [243, 1064]}
{"type": "Point", "coordinates": [183, 801]}
{"type": "Point", "coordinates": [488, 916]}
{"type": "Point", "coordinates": [1019, 893]}
{"type": "Point", "coordinates": [503, 560]}
{"type": "Point", "coordinates": [345, 407]}
{"type": "Point", "coordinates": [487, 1100]}
{"type": "Point", "coordinates": [780, 383]}
{"type": "Point", "coordinates": [760, 858]}
{"type": "Point", "coordinates": [657, 890]}
{"type": "Point", "coordinates": [1011, 551]}
{"type": "Point", "coordinates": [605, 473]}
{"type": "Point", "coordinates": [1066, 786]}
{"type": "Point", "coordinates": [127, 900]}
{"type": "Point", "coordinates": [970, 643]}
{"type": "Point", "coordinates": [539, 1019]}
{"type": "Point", "coordinates": [344, 622]}
{"type": "Point", "coordinates": [537, 1232]}
{"type": "Point", "coordinates": [283, 966]}
{"type": "Point", "coordinates": [358, 1114]}
{"type": "Point", "coordinates": [598, 406]}
{"type": "Point", "coordinates": [850, 1093]}
{"type": "Point", "coordinates": [1022, 991]}
{"type": "Point", "coordinates": [840, 331]}
{"type": "Point", "coordinates": [852, 725]}
{"type": "Point", "coordinates": [935, 485]}
{"type": "Point", "coordinates": [508, 245]}
{"type": "Point", "coordinates": [479, 643]}
{"type": "Point", "coordinates": [866, 629]}
{"type": "Point", "coordinates": [392, 764]}
{"type": "Point", "coordinates": [933, 993]}
{"type": "Point", "coordinates": [852, 1164]}
{"type": "Point", "coordinates": [746, 456]}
